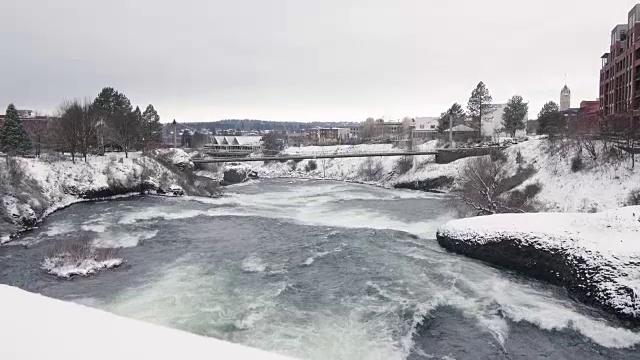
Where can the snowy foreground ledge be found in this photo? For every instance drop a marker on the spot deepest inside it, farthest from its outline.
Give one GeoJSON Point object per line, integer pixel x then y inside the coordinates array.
{"type": "Point", "coordinates": [36, 327]}
{"type": "Point", "coordinates": [595, 256]}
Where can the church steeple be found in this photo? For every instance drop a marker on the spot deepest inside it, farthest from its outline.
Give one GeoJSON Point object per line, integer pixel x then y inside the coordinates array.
{"type": "Point", "coordinates": [565, 98]}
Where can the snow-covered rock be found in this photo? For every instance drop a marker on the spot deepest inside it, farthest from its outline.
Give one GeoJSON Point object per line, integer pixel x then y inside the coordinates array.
{"type": "Point", "coordinates": [61, 267]}
{"type": "Point", "coordinates": [595, 256]}
{"type": "Point", "coordinates": [235, 173]}
{"type": "Point", "coordinates": [36, 327]}
{"type": "Point", "coordinates": [176, 190]}
{"type": "Point", "coordinates": [177, 157]}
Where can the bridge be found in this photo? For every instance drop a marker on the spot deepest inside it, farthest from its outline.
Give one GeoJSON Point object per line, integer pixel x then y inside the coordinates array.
{"type": "Point", "coordinates": [443, 156]}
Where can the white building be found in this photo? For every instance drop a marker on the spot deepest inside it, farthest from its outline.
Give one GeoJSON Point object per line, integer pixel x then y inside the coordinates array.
{"type": "Point", "coordinates": [234, 145]}
{"type": "Point", "coordinates": [425, 129]}
{"type": "Point", "coordinates": [492, 124]}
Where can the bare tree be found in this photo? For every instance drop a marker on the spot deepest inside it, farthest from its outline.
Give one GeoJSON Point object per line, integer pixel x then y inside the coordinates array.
{"type": "Point", "coordinates": [371, 169]}
{"type": "Point", "coordinates": [124, 130]}
{"type": "Point", "coordinates": [87, 132]}
{"type": "Point", "coordinates": [65, 127]}
{"type": "Point", "coordinates": [484, 184]}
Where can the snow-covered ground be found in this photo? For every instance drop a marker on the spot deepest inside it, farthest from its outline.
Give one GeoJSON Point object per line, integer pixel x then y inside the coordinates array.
{"type": "Point", "coordinates": [602, 185]}
{"type": "Point", "coordinates": [343, 169]}
{"type": "Point", "coordinates": [605, 245]}
{"type": "Point", "coordinates": [36, 327]}
{"type": "Point", "coordinates": [46, 185]}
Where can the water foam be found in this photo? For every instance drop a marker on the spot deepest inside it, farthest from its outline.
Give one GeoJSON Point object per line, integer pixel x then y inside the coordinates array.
{"type": "Point", "coordinates": [121, 239]}
{"type": "Point", "coordinates": [253, 264]}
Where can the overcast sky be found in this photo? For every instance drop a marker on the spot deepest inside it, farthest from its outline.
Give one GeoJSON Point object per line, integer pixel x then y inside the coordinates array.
{"type": "Point", "coordinates": [302, 60]}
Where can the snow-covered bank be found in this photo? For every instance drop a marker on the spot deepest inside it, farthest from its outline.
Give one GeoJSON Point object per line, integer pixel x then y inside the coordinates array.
{"type": "Point", "coordinates": [595, 256]}
{"type": "Point", "coordinates": [603, 184]}
{"type": "Point", "coordinates": [380, 171]}
{"type": "Point", "coordinates": [31, 189]}
{"type": "Point", "coordinates": [36, 327]}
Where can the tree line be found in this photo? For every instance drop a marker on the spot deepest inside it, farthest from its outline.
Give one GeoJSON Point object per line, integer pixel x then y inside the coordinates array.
{"type": "Point", "coordinates": [84, 126]}
{"type": "Point", "coordinates": [480, 108]}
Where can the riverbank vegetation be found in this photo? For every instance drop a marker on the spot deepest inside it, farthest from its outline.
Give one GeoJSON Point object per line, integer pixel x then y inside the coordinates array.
{"type": "Point", "coordinates": [79, 258]}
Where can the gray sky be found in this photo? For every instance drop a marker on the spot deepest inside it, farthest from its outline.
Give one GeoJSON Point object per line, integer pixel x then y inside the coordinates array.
{"type": "Point", "coordinates": [302, 60]}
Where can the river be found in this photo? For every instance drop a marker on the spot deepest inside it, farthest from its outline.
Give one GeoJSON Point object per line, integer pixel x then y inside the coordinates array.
{"type": "Point", "coordinates": [316, 270]}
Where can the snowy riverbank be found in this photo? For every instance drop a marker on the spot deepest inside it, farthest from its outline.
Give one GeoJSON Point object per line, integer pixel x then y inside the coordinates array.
{"type": "Point", "coordinates": [31, 189]}
{"type": "Point", "coordinates": [595, 256]}
{"type": "Point", "coordinates": [64, 330]}
{"type": "Point", "coordinates": [601, 185]}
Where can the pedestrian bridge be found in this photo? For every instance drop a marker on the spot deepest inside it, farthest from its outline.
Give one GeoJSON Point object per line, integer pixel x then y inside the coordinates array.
{"type": "Point", "coordinates": [443, 156]}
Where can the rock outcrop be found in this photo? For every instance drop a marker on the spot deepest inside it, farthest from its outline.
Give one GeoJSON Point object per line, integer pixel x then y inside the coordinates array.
{"type": "Point", "coordinates": [236, 173]}
{"type": "Point", "coordinates": [596, 257]}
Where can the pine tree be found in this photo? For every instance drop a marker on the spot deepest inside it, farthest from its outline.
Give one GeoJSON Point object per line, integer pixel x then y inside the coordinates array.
{"type": "Point", "coordinates": [152, 128]}
{"type": "Point", "coordinates": [550, 120]}
{"type": "Point", "coordinates": [480, 106]}
{"type": "Point", "coordinates": [513, 118]}
{"type": "Point", "coordinates": [458, 117]}
{"type": "Point", "coordinates": [13, 138]}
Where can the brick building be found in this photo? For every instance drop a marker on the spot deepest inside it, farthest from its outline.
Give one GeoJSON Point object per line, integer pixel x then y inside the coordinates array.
{"type": "Point", "coordinates": [620, 73]}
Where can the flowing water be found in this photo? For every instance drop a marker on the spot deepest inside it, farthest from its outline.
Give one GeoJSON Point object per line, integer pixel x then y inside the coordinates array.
{"type": "Point", "coordinates": [316, 270]}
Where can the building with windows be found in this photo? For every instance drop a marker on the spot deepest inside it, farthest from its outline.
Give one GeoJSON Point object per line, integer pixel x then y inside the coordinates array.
{"type": "Point", "coordinates": [233, 145]}
{"type": "Point", "coordinates": [620, 73]}
{"type": "Point", "coordinates": [425, 129]}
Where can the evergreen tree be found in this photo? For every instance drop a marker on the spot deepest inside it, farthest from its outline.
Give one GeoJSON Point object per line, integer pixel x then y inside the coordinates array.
{"type": "Point", "coordinates": [550, 120]}
{"type": "Point", "coordinates": [513, 118]}
{"type": "Point", "coordinates": [480, 106]}
{"type": "Point", "coordinates": [109, 108]}
{"type": "Point", "coordinates": [458, 117]}
{"type": "Point", "coordinates": [13, 138]}
{"type": "Point", "coordinates": [110, 101]}
{"type": "Point", "coordinates": [151, 126]}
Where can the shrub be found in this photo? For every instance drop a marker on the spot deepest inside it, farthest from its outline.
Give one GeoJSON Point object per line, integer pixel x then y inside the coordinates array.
{"type": "Point", "coordinates": [499, 155]}
{"type": "Point", "coordinates": [72, 251]}
{"type": "Point", "coordinates": [53, 157]}
{"type": "Point", "coordinates": [633, 198]}
{"type": "Point", "coordinates": [519, 158]}
{"type": "Point", "coordinates": [311, 166]}
{"type": "Point", "coordinates": [522, 175]}
{"type": "Point", "coordinates": [404, 164]}
{"type": "Point", "coordinates": [577, 164]}
{"type": "Point", "coordinates": [292, 165]}
{"type": "Point", "coordinates": [371, 169]}
{"type": "Point", "coordinates": [520, 199]}
{"type": "Point", "coordinates": [15, 170]}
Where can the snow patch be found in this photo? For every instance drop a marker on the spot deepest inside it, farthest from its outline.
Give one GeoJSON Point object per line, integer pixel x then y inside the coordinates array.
{"type": "Point", "coordinates": [61, 267]}
{"type": "Point", "coordinates": [29, 319]}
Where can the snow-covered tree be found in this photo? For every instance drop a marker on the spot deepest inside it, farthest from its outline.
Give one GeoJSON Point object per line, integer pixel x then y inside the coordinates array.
{"type": "Point", "coordinates": [480, 106]}
{"type": "Point", "coordinates": [13, 138]}
{"type": "Point", "coordinates": [514, 116]}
